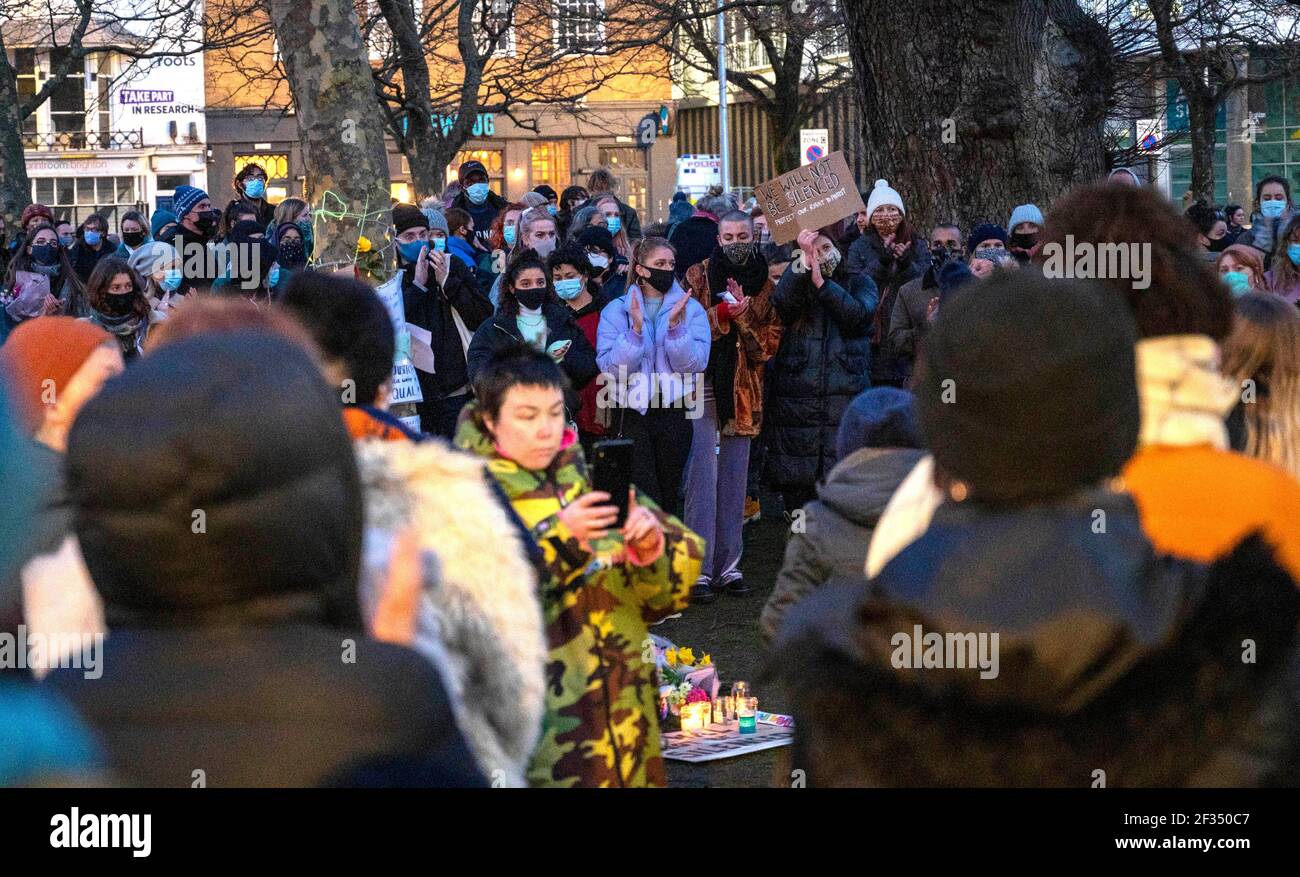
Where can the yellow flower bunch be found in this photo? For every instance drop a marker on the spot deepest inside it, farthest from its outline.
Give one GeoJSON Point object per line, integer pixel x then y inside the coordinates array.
{"type": "Point", "coordinates": [363, 244]}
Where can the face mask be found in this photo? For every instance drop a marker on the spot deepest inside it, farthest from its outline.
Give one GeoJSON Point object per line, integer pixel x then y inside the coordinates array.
{"type": "Point", "coordinates": [477, 193]}
{"type": "Point", "coordinates": [410, 251]}
{"type": "Point", "coordinates": [292, 253]}
{"type": "Point", "coordinates": [133, 238]}
{"type": "Point", "coordinates": [119, 305]}
{"type": "Point", "coordinates": [614, 224]}
{"type": "Point", "coordinates": [552, 209]}
{"type": "Point", "coordinates": [1238, 282]}
{"type": "Point", "coordinates": [1023, 241]}
{"type": "Point", "coordinates": [208, 220]}
{"type": "Point", "coordinates": [93, 238]}
{"type": "Point", "coordinates": [660, 278]}
{"type": "Point", "coordinates": [439, 244]}
{"type": "Point", "coordinates": [598, 260]}
{"type": "Point", "coordinates": [1220, 245]}
{"type": "Point", "coordinates": [171, 280]}
{"type": "Point", "coordinates": [45, 254]}
{"type": "Point", "coordinates": [739, 254]}
{"type": "Point", "coordinates": [1272, 209]}
{"type": "Point", "coordinates": [939, 255]}
{"type": "Point", "coordinates": [304, 228]}
{"type": "Point", "coordinates": [1293, 253]}
{"type": "Point", "coordinates": [254, 188]}
{"type": "Point", "coordinates": [830, 262]}
{"type": "Point", "coordinates": [990, 254]}
{"type": "Point", "coordinates": [67, 240]}
{"type": "Point", "coordinates": [886, 226]}
{"type": "Point", "coordinates": [530, 299]}
{"type": "Point", "coordinates": [509, 234]}
{"type": "Point", "coordinates": [569, 289]}
{"type": "Point", "coordinates": [273, 276]}
{"type": "Point", "coordinates": [544, 247]}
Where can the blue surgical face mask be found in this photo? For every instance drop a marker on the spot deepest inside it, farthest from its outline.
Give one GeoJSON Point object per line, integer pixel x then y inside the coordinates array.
{"type": "Point", "coordinates": [569, 289]}
{"type": "Point", "coordinates": [509, 233]}
{"type": "Point", "coordinates": [92, 238]}
{"type": "Point", "coordinates": [1272, 209]}
{"type": "Point", "coordinates": [1293, 253]}
{"type": "Point", "coordinates": [273, 276]}
{"type": "Point", "coordinates": [477, 193]}
{"type": "Point", "coordinates": [411, 251]}
{"type": "Point", "coordinates": [439, 244]}
{"type": "Point", "coordinates": [171, 280]}
{"type": "Point", "coordinates": [1238, 281]}
{"type": "Point", "coordinates": [67, 240]}
{"type": "Point", "coordinates": [552, 209]}
{"type": "Point", "coordinates": [614, 224]}
{"type": "Point", "coordinates": [255, 188]}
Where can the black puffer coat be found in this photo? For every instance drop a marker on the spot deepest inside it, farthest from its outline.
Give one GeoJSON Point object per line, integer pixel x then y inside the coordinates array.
{"type": "Point", "coordinates": [218, 506]}
{"type": "Point", "coordinates": [578, 365]}
{"type": "Point", "coordinates": [1110, 658]}
{"type": "Point", "coordinates": [823, 362]}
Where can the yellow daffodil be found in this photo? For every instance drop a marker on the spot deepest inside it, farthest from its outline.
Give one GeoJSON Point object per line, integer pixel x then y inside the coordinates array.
{"type": "Point", "coordinates": [363, 244]}
{"type": "Point", "coordinates": [671, 657]}
{"type": "Point", "coordinates": [706, 661]}
{"type": "Point", "coordinates": [686, 656]}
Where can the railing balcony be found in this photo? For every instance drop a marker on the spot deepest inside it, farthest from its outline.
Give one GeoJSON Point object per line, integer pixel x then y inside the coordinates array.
{"type": "Point", "coordinates": [80, 140]}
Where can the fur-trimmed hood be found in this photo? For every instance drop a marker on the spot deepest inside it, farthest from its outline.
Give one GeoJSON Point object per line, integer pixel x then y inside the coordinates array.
{"type": "Point", "coordinates": [1156, 671]}
{"type": "Point", "coordinates": [482, 593]}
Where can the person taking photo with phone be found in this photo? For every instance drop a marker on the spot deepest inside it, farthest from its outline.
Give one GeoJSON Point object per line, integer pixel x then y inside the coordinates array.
{"type": "Point", "coordinates": [605, 584]}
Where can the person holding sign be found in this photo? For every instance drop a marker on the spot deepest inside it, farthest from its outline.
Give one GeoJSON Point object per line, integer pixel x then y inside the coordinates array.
{"type": "Point", "coordinates": [822, 363]}
{"type": "Point", "coordinates": [890, 252]}
{"type": "Point", "coordinates": [732, 285]}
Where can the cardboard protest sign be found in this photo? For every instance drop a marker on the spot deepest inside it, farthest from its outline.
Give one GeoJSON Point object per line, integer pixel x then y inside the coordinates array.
{"type": "Point", "coordinates": [811, 196]}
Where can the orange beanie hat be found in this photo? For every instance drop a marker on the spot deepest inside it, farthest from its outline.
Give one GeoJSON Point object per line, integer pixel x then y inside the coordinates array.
{"type": "Point", "coordinates": [41, 349]}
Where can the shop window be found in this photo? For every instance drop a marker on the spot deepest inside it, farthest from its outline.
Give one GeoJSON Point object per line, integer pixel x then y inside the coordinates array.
{"type": "Point", "coordinates": [621, 158]}
{"type": "Point", "coordinates": [550, 160]}
{"type": "Point", "coordinates": [75, 198]}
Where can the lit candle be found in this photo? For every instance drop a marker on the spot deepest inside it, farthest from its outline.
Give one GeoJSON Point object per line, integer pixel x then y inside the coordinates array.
{"type": "Point", "coordinates": [747, 713]}
{"type": "Point", "coordinates": [695, 716]}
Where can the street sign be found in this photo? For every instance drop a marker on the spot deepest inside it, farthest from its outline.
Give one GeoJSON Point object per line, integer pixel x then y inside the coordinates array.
{"type": "Point", "coordinates": [814, 144]}
{"type": "Point", "coordinates": [647, 130]}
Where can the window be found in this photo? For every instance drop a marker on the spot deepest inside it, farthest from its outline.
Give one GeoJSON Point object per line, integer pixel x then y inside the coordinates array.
{"type": "Point", "coordinates": [498, 25]}
{"type": "Point", "coordinates": [75, 198]}
{"type": "Point", "coordinates": [102, 66]}
{"type": "Point", "coordinates": [578, 25]}
{"type": "Point", "coordinates": [68, 102]}
{"type": "Point", "coordinates": [493, 160]}
{"type": "Point", "coordinates": [25, 66]}
{"type": "Point", "coordinates": [621, 158]}
{"type": "Point", "coordinates": [169, 182]}
{"type": "Point", "coordinates": [551, 164]}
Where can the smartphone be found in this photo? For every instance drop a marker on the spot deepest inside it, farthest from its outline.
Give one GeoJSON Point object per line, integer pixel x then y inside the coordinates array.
{"type": "Point", "coordinates": [611, 471]}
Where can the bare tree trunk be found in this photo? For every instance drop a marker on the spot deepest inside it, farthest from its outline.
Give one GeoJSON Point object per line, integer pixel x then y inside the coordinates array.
{"type": "Point", "coordinates": [1200, 118]}
{"type": "Point", "coordinates": [969, 114]}
{"type": "Point", "coordinates": [15, 187]}
{"type": "Point", "coordinates": [340, 123]}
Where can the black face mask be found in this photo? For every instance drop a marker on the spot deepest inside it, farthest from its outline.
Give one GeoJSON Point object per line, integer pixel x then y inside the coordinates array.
{"type": "Point", "coordinates": [1023, 241]}
{"type": "Point", "coordinates": [45, 254]}
{"type": "Point", "coordinates": [739, 254]}
{"type": "Point", "coordinates": [133, 238]}
{"type": "Point", "coordinates": [660, 278]}
{"type": "Point", "coordinates": [530, 299]}
{"type": "Point", "coordinates": [941, 255]}
{"type": "Point", "coordinates": [292, 253]}
{"type": "Point", "coordinates": [1220, 245]}
{"type": "Point", "coordinates": [116, 305]}
{"type": "Point", "coordinates": [208, 220]}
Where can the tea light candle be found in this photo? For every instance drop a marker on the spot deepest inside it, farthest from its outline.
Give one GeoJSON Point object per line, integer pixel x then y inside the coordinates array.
{"type": "Point", "coordinates": [695, 716]}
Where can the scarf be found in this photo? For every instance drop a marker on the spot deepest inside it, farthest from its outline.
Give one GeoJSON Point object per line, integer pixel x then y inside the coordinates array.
{"type": "Point", "coordinates": [1184, 397]}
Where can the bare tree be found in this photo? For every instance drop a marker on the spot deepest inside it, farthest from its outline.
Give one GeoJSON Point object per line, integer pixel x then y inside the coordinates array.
{"type": "Point", "coordinates": [789, 57]}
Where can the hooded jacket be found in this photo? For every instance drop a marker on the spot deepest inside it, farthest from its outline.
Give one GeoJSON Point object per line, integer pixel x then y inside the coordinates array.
{"type": "Point", "coordinates": [222, 526]}
{"type": "Point", "coordinates": [831, 542]}
{"type": "Point", "coordinates": [754, 337]}
{"type": "Point", "coordinates": [822, 363]}
{"type": "Point", "coordinates": [660, 364]}
{"type": "Point", "coordinates": [601, 724]}
{"type": "Point", "coordinates": [500, 330]}
{"type": "Point", "coordinates": [1109, 658]}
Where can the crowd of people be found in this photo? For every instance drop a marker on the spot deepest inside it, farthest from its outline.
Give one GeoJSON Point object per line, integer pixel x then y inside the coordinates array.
{"type": "Point", "coordinates": [206, 476]}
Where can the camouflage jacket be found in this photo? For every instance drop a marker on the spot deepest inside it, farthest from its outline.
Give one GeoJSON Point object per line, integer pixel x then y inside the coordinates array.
{"type": "Point", "coordinates": [601, 725]}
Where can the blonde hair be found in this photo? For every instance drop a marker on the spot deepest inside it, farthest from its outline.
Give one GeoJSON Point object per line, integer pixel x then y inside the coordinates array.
{"type": "Point", "coordinates": [1264, 349]}
{"type": "Point", "coordinates": [621, 243]}
{"type": "Point", "coordinates": [288, 210]}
